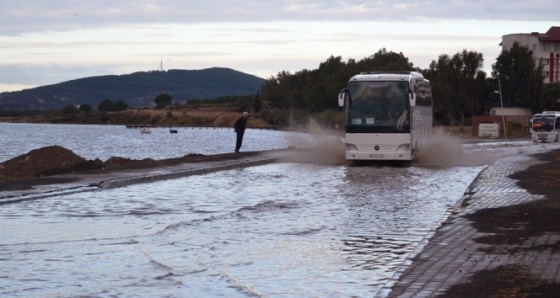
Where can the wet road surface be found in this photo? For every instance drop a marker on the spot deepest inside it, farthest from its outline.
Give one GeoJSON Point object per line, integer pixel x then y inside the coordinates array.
{"type": "Point", "coordinates": [279, 230]}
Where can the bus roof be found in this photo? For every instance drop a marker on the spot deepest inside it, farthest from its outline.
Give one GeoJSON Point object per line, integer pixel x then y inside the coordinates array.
{"type": "Point", "coordinates": [387, 75]}
{"type": "Point", "coordinates": [548, 113]}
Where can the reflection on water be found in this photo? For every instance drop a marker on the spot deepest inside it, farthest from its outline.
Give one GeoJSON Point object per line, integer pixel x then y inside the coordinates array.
{"type": "Point", "coordinates": [275, 230]}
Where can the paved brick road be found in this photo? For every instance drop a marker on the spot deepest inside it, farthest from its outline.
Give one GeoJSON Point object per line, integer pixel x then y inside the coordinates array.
{"type": "Point", "coordinates": [451, 255]}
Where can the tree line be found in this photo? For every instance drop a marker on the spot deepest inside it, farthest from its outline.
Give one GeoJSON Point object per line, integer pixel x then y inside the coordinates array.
{"type": "Point", "coordinates": [460, 87]}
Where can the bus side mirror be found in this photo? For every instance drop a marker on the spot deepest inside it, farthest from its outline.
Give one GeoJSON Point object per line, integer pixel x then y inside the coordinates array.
{"type": "Point", "coordinates": [412, 98]}
{"type": "Point", "coordinates": [342, 97]}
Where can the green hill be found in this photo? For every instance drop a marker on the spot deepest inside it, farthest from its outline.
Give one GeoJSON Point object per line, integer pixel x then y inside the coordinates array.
{"type": "Point", "coordinates": [137, 89]}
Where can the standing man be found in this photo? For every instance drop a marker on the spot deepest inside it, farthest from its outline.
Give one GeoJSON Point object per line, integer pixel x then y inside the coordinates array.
{"type": "Point", "coordinates": [239, 127]}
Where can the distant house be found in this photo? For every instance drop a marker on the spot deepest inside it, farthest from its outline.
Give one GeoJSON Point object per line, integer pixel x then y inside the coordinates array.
{"type": "Point", "coordinates": [511, 112]}
{"type": "Point", "coordinates": [545, 47]}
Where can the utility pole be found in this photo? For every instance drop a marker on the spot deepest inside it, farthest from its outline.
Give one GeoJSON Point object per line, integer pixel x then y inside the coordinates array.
{"type": "Point", "coordinates": [502, 104]}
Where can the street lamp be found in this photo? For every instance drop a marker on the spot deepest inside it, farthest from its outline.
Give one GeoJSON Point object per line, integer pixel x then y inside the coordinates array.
{"type": "Point", "coordinates": [502, 104]}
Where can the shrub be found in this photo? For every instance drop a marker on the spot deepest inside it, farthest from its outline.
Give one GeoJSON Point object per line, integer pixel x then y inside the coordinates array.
{"type": "Point", "coordinates": [155, 119]}
{"type": "Point", "coordinates": [515, 129]}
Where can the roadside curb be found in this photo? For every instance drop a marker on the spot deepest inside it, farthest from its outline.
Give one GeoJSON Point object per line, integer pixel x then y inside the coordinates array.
{"type": "Point", "coordinates": [115, 183]}
{"type": "Point", "coordinates": [122, 182]}
{"type": "Point", "coordinates": [409, 260]}
{"type": "Point", "coordinates": [47, 194]}
{"type": "Point", "coordinates": [451, 254]}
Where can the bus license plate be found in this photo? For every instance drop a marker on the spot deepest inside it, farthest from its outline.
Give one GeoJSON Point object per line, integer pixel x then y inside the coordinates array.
{"type": "Point", "coordinates": [376, 156]}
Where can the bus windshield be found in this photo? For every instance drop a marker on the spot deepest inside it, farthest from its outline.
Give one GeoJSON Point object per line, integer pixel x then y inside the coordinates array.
{"type": "Point", "coordinates": [543, 123]}
{"type": "Point", "coordinates": [378, 106]}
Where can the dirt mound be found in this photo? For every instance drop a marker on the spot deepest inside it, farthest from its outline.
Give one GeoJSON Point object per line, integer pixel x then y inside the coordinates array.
{"type": "Point", "coordinates": [46, 161]}
{"type": "Point", "coordinates": [55, 160]}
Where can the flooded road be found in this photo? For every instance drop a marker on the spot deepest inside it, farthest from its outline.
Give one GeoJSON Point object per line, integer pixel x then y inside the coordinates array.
{"type": "Point", "coordinates": [276, 230]}
{"type": "Point", "coordinates": [314, 229]}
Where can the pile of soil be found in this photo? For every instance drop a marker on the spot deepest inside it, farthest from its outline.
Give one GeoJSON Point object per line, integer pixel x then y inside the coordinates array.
{"type": "Point", "coordinates": [45, 165]}
{"type": "Point", "coordinates": [47, 161]}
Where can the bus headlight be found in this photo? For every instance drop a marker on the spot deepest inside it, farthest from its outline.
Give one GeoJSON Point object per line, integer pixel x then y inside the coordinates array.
{"type": "Point", "coordinates": [351, 147]}
{"type": "Point", "coordinates": [403, 147]}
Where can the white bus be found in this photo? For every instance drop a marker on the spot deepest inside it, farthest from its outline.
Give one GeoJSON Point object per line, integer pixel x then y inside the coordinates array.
{"type": "Point", "coordinates": [388, 114]}
{"type": "Point", "coordinates": [545, 127]}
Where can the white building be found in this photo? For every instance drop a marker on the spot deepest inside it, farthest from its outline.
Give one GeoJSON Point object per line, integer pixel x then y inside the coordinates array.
{"type": "Point", "coordinates": [545, 47]}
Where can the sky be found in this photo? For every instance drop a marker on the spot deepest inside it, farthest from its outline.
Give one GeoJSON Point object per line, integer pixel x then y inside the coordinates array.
{"type": "Point", "coordinates": [45, 42]}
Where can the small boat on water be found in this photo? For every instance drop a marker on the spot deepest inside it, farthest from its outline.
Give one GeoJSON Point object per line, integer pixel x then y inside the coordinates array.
{"type": "Point", "coordinates": [145, 130]}
{"type": "Point", "coordinates": [173, 130]}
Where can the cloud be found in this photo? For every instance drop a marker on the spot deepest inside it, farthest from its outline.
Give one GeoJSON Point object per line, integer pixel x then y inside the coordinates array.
{"type": "Point", "coordinates": [40, 74]}
{"type": "Point", "coordinates": [20, 17]}
{"type": "Point", "coordinates": [45, 42]}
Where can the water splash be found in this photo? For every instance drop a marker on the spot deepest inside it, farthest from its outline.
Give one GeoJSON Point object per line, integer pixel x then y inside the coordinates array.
{"type": "Point", "coordinates": [326, 146]}
{"type": "Point", "coordinates": [318, 146]}
{"type": "Point", "coordinates": [447, 150]}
